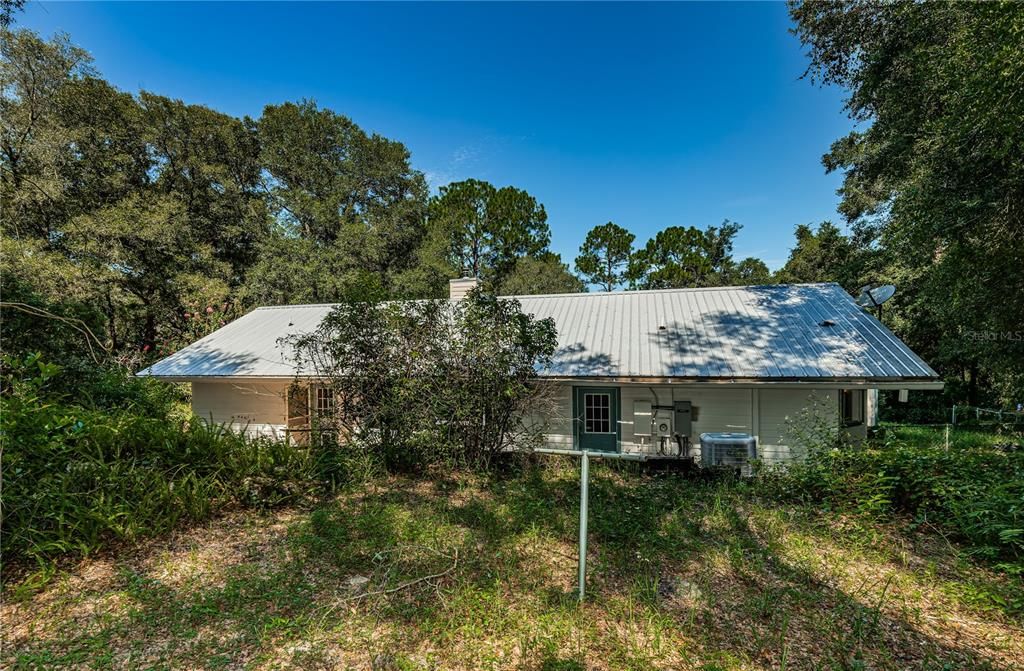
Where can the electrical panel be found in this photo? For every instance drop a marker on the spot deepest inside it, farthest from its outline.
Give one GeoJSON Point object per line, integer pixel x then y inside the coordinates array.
{"type": "Point", "coordinates": [642, 418]}
{"type": "Point", "coordinates": [684, 418]}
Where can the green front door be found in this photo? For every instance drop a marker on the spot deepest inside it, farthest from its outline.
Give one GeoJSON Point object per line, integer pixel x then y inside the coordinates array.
{"type": "Point", "coordinates": [595, 412]}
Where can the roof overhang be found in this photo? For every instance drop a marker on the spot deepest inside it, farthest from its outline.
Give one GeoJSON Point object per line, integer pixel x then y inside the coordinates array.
{"type": "Point", "coordinates": [220, 378]}
{"type": "Point", "coordinates": [793, 383]}
{"type": "Point", "coordinates": [737, 383]}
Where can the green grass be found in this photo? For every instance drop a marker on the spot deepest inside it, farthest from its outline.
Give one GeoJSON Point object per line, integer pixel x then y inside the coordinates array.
{"type": "Point", "coordinates": [683, 575]}
{"type": "Point", "coordinates": [971, 491]}
{"type": "Point", "coordinates": [960, 437]}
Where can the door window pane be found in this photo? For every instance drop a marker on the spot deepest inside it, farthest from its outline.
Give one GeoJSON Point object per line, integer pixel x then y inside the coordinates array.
{"type": "Point", "coordinates": [597, 413]}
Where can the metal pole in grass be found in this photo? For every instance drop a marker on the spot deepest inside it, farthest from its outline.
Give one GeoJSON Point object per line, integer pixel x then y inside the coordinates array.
{"type": "Point", "coordinates": [584, 505]}
{"type": "Point", "coordinates": [585, 497]}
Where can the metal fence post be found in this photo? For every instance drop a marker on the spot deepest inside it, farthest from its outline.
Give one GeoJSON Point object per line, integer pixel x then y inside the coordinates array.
{"type": "Point", "coordinates": [584, 495]}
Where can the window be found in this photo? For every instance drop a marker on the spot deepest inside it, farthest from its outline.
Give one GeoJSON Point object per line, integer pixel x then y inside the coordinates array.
{"type": "Point", "coordinates": [324, 402]}
{"type": "Point", "coordinates": [851, 406]}
{"type": "Point", "coordinates": [597, 413]}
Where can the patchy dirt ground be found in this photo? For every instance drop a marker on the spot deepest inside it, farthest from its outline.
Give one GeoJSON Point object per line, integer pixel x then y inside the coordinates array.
{"type": "Point", "coordinates": [468, 574]}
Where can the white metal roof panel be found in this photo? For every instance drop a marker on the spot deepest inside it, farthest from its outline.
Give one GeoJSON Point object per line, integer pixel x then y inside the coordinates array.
{"type": "Point", "coordinates": [761, 333]}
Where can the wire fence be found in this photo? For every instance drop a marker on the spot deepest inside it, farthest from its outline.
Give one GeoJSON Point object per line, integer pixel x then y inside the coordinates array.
{"type": "Point", "coordinates": [968, 414]}
{"type": "Point", "coordinates": [976, 417]}
{"type": "Point", "coordinates": [965, 426]}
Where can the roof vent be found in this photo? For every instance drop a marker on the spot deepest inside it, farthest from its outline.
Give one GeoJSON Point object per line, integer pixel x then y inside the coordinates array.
{"type": "Point", "coordinates": [827, 322]}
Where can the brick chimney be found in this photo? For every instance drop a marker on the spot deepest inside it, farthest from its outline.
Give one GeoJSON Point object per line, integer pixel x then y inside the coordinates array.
{"type": "Point", "coordinates": [458, 288]}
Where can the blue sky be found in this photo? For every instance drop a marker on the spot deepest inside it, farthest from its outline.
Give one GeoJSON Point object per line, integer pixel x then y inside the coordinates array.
{"type": "Point", "coordinates": [648, 115]}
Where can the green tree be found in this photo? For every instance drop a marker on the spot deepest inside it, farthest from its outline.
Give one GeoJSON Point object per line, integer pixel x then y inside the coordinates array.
{"type": "Point", "coordinates": [145, 255]}
{"type": "Point", "coordinates": [750, 271]}
{"type": "Point", "coordinates": [543, 274]}
{"type": "Point", "coordinates": [433, 381]}
{"type": "Point", "coordinates": [7, 10]}
{"type": "Point", "coordinates": [604, 256]}
{"type": "Point", "coordinates": [209, 161]}
{"type": "Point", "coordinates": [680, 257]}
{"type": "Point", "coordinates": [35, 143]}
{"type": "Point", "coordinates": [487, 228]}
{"type": "Point", "coordinates": [330, 182]}
{"type": "Point", "coordinates": [935, 176]}
{"type": "Point", "coordinates": [823, 255]}
{"type": "Point", "coordinates": [291, 270]}
{"type": "Point", "coordinates": [136, 207]}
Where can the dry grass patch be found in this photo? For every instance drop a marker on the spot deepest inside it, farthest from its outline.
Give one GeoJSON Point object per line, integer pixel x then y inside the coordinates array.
{"type": "Point", "coordinates": [478, 573]}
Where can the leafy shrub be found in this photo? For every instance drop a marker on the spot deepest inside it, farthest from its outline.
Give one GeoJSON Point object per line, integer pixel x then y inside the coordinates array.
{"type": "Point", "coordinates": [75, 475]}
{"type": "Point", "coordinates": [421, 382]}
{"type": "Point", "coordinates": [972, 490]}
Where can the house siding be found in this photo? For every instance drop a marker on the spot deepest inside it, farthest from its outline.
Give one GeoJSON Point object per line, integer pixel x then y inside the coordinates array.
{"type": "Point", "coordinates": [714, 410]}
{"type": "Point", "coordinates": [782, 409]}
{"type": "Point", "coordinates": [765, 412]}
{"type": "Point", "coordinates": [258, 409]}
{"type": "Point", "coordinates": [555, 424]}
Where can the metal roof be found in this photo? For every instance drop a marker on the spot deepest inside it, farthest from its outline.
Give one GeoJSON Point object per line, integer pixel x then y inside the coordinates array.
{"type": "Point", "coordinates": [796, 332]}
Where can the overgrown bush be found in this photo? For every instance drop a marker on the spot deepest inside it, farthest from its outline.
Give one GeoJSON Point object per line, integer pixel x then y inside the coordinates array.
{"type": "Point", "coordinates": [972, 491]}
{"type": "Point", "coordinates": [76, 474]}
{"type": "Point", "coordinates": [423, 382]}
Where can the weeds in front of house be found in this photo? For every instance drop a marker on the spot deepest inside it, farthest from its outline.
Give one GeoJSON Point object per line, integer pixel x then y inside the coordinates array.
{"type": "Point", "coordinates": [471, 571]}
{"type": "Point", "coordinates": [971, 492]}
{"type": "Point", "coordinates": [459, 569]}
{"type": "Point", "coordinates": [77, 477]}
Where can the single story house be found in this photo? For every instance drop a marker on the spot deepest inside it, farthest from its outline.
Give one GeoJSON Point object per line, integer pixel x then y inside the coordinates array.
{"type": "Point", "coordinates": [643, 372]}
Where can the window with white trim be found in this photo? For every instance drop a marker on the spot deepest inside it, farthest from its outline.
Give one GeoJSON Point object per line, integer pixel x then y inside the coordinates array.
{"type": "Point", "coordinates": [324, 401]}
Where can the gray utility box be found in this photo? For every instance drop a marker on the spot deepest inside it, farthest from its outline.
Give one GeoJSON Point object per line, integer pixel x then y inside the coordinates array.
{"type": "Point", "coordinates": [683, 418]}
{"type": "Point", "coordinates": [728, 449]}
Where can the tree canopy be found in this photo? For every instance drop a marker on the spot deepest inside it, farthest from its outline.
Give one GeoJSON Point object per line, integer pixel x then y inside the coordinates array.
{"type": "Point", "coordinates": [934, 178]}
{"type": "Point", "coordinates": [604, 256]}
{"type": "Point", "coordinates": [680, 257]}
{"type": "Point", "coordinates": [542, 274]}
{"type": "Point", "coordinates": [823, 255]}
{"type": "Point", "coordinates": [488, 228]}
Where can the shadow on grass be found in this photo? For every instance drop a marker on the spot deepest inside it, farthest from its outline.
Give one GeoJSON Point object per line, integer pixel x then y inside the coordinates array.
{"type": "Point", "coordinates": [681, 575]}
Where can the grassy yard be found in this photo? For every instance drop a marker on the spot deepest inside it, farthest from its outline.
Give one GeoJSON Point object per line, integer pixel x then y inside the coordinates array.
{"type": "Point", "coordinates": [960, 437]}
{"type": "Point", "coordinates": [467, 573]}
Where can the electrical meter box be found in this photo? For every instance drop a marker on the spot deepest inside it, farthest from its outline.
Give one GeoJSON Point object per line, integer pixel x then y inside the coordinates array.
{"type": "Point", "coordinates": [663, 423]}
{"type": "Point", "coordinates": [684, 418]}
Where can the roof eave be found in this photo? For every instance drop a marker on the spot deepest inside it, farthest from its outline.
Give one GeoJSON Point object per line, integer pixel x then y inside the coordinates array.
{"type": "Point", "coordinates": [920, 383]}
{"type": "Point", "coordinates": [846, 383]}
{"type": "Point", "coordinates": [217, 378]}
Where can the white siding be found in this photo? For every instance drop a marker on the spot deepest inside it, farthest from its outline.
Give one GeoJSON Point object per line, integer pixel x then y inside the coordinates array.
{"type": "Point", "coordinates": [256, 408]}
{"type": "Point", "coordinates": [556, 426]}
{"type": "Point", "coordinates": [784, 412]}
{"type": "Point", "coordinates": [713, 410]}
{"type": "Point", "coordinates": [765, 412]}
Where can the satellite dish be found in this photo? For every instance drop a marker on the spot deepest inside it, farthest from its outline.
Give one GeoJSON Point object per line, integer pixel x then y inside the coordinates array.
{"type": "Point", "coordinates": [882, 293]}
{"type": "Point", "coordinates": [874, 296]}
{"type": "Point", "coordinates": [864, 299]}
